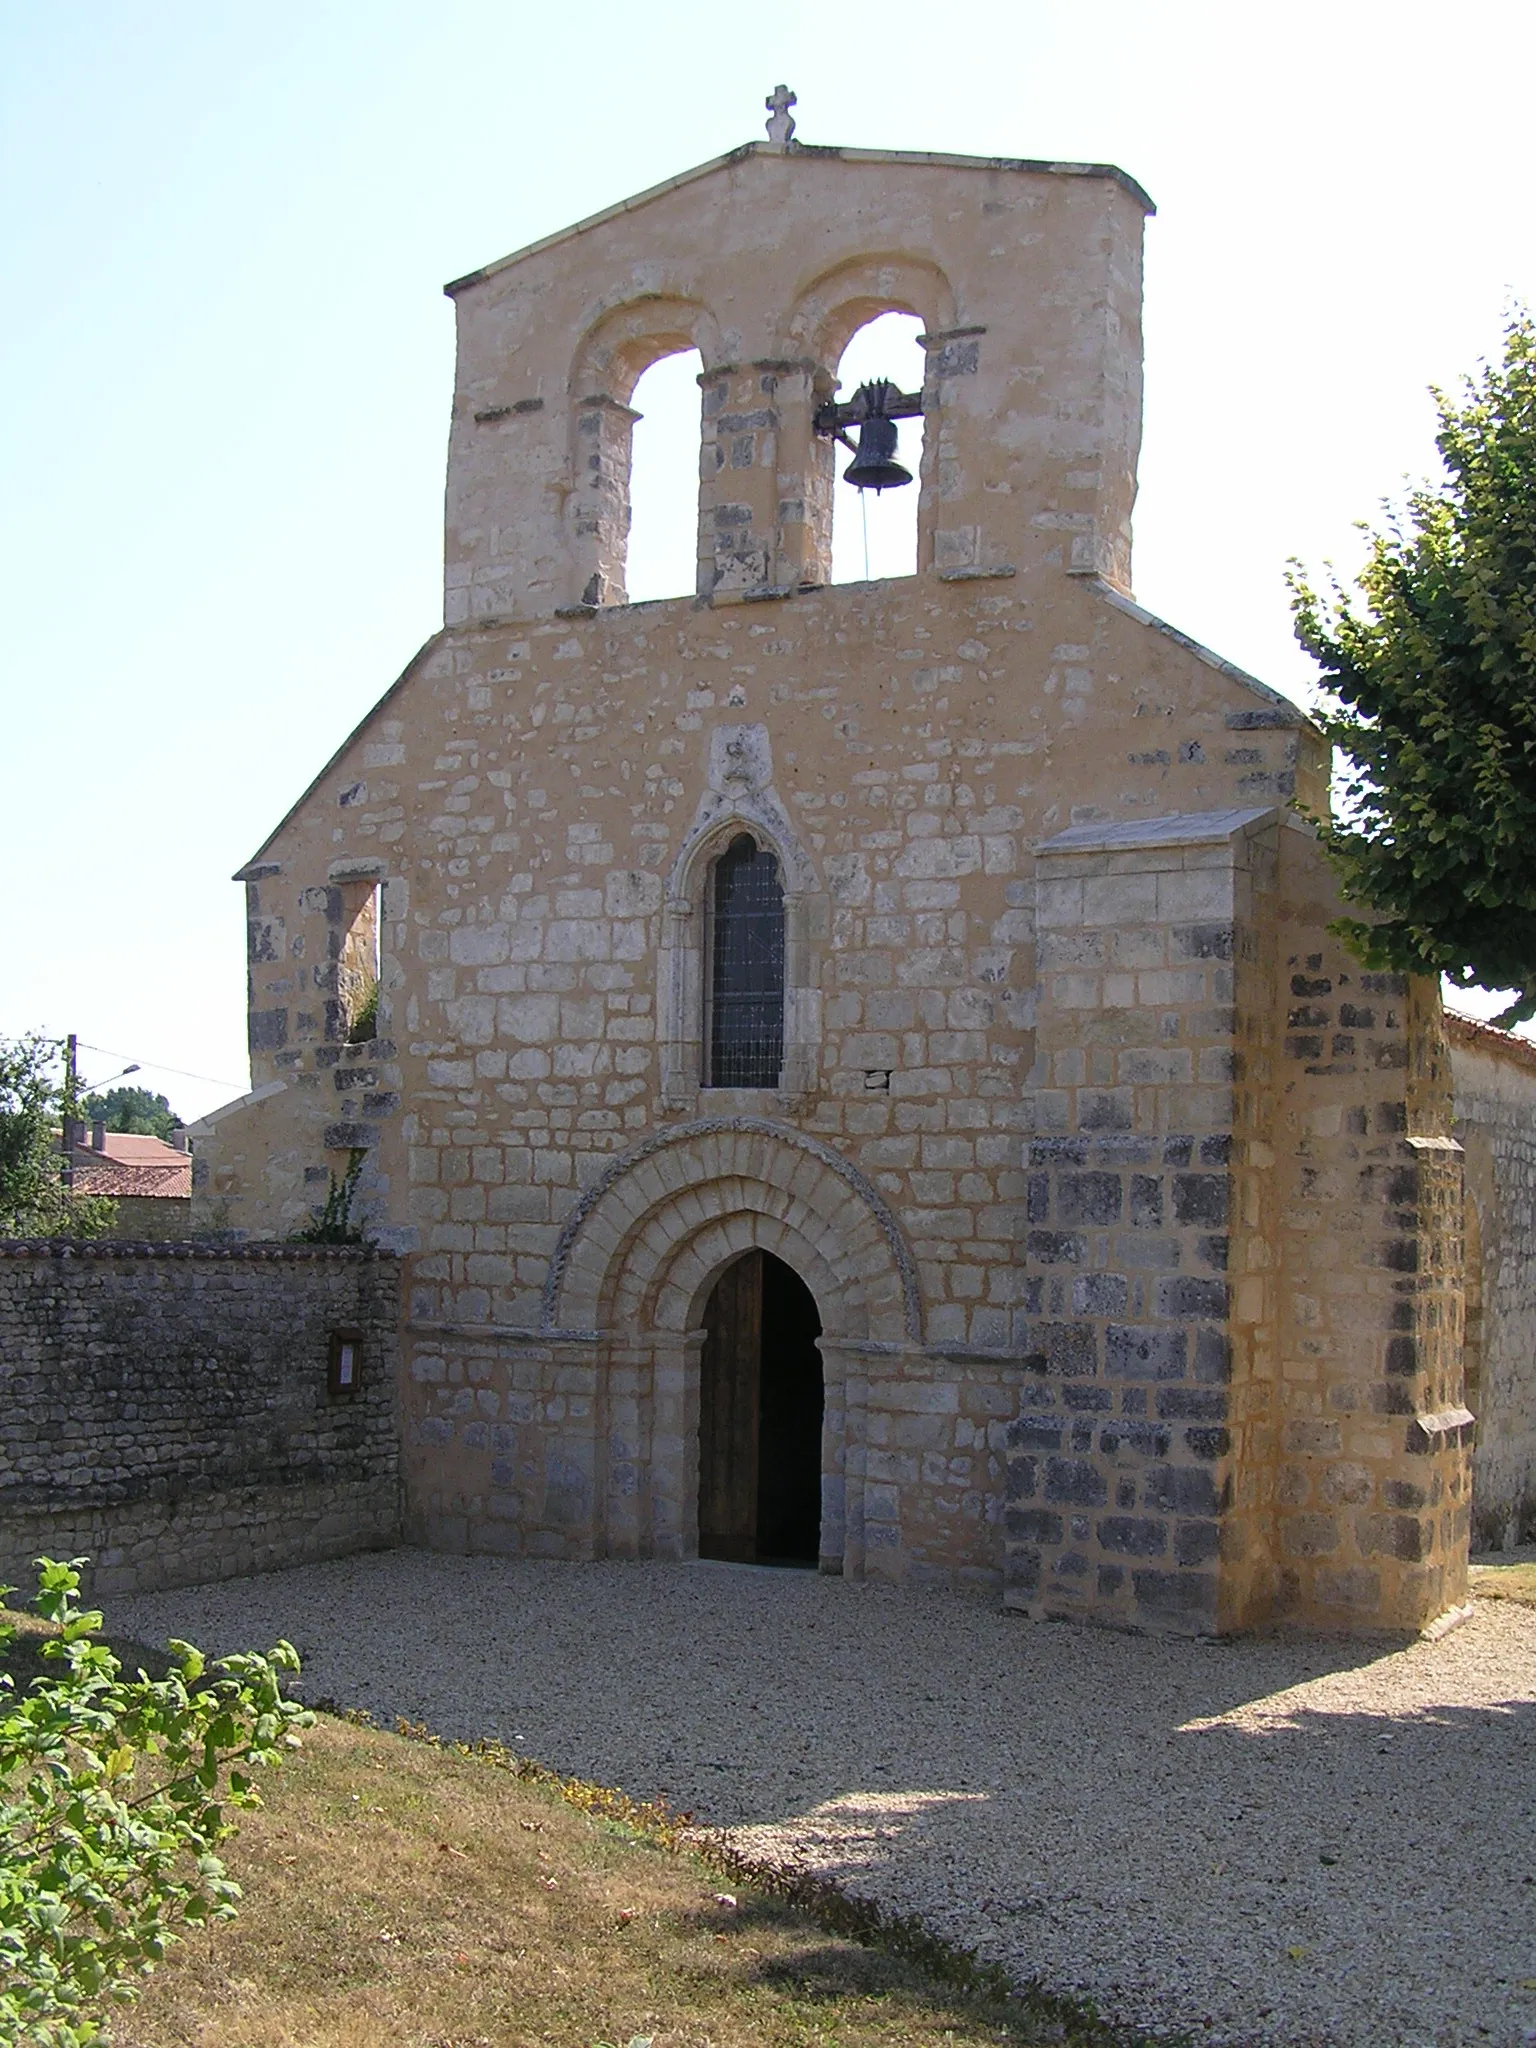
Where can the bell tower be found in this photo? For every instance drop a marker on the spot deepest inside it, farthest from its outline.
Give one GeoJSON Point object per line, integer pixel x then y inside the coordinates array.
{"type": "Point", "coordinates": [1026, 276]}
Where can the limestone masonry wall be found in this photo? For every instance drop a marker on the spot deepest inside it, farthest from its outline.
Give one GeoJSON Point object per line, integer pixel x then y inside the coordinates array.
{"type": "Point", "coordinates": [1128, 1203]}
{"type": "Point", "coordinates": [1496, 1124]}
{"type": "Point", "coordinates": [164, 1409]}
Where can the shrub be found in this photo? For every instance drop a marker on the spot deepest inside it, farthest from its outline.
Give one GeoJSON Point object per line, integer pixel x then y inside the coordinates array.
{"type": "Point", "coordinates": [112, 1804]}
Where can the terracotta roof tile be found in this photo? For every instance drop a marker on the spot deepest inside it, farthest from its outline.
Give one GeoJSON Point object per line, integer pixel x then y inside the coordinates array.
{"type": "Point", "coordinates": [113, 1177]}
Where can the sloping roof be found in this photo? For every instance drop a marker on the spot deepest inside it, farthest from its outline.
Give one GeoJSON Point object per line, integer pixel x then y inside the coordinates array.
{"type": "Point", "coordinates": [134, 1148]}
{"type": "Point", "coordinates": [114, 1178]}
{"type": "Point", "coordinates": [1488, 1038]}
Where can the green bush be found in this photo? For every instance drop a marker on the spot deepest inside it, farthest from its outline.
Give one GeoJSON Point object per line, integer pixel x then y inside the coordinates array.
{"type": "Point", "coordinates": [113, 1796]}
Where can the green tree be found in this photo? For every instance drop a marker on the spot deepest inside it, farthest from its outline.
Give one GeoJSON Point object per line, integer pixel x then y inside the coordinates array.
{"type": "Point", "coordinates": [132, 1109]}
{"type": "Point", "coordinates": [34, 1201]}
{"type": "Point", "coordinates": [112, 1807]}
{"type": "Point", "coordinates": [1429, 671]}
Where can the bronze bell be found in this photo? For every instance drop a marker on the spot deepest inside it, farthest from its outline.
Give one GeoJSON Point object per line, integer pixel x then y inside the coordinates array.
{"type": "Point", "coordinates": [874, 467]}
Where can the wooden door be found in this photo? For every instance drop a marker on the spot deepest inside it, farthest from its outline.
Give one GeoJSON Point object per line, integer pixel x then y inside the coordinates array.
{"type": "Point", "coordinates": [728, 1412]}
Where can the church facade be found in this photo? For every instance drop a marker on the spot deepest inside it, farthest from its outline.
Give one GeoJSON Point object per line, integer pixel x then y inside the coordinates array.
{"type": "Point", "coordinates": [860, 1072]}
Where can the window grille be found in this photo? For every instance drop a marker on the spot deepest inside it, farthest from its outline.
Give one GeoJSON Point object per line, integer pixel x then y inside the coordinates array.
{"type": "Point", "coordinates": [746, 1021]}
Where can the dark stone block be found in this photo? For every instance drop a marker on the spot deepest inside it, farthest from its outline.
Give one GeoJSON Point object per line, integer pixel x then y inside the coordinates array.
{"type": "Point", "coordinates": [1073, 1565]}
{"type": "Point", "coordinates": [1304, 985]}
{"type": "Point", "coordinates": [1181, 1490]}
{"type": "Point", "coordinates": [1307, 1017]}
{"type": "Point", "coordinates": [1133, 1352]}
{"type": "Point", "coordinates": [1192, 1404]}
{"type": "Point", "coordinates": [1086, 1400]}
{"type": "Point", "coordinates": [1201, 1198]}
{"type": "Point", "coordinates": [382, 1104]}
{"type": "Point", "coordinates": [1211, 1252]}
{"type": "Point", "coordinates": [349, 1137]}
{"type": "Point", "coordinates": [1146, 1439]}
{"type": "Point", "coordinates": [1125, 1494]}
{"type": "Point", "coordinates": [1146, 1201]}
{"type": "Point", "coordinates": [1178, 1151]}
{"type": "Point", "coordinates": [1302, 1047]}
{"type": "Point", "coordinates": [1111, 1579]}
{"type": "Point", "coordinates": [1133, 1535]}
{"type": "Point", "coordinates": [1402, 1355]}
{"type": "Point", "coordinates": [1209, 1443]}
{"type": "Point", "coordinates": [1067, 1349]}
{"type": "Point", "coordinates": [1099, 1294]}
{"type": "Point", "coordinates": [1033, 1525]}
{"type": "Point", "coordinates": [1021, 1479]}
{"type": "Point", "coordinates": [1402, 1493]}
{"type": "Point", "coordinates": [1037, 1198]}
{"type": "Point", "coordinates": [1075, 1482]}
{"type": "Point", "coordinates": [1196, 1542]}
{"type": "Point", "coordinates": [1182, 1294]}
{"type": "Point", "coordinates": [1188, 1597]}
{"type": "Point", "coordinates": [1089, 1198]}
{"type": "Point", "coordinates": [1054, 1247]}
{"type": "Point", "coordinates": [1057, 1152]}
{"type": "Point", "coordinates": [1400, 1254]}
{"type": "Point", "coordinates": [1101, 1110]}
{"type": "Point", "coordinates": [268, 1030]}
{"type": "Point", "coordinates": [1213, 1357]}
{"type": "Point", "coordinates": [1216, 1150]}
{"type": "Point", "coordinates": [1022, 1571]}
{"type": "Point", "coordinates": [1034, 1433]}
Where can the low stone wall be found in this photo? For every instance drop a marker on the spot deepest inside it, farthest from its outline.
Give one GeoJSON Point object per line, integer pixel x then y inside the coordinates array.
{"type": "Point", "coordinates": [165, 1409]}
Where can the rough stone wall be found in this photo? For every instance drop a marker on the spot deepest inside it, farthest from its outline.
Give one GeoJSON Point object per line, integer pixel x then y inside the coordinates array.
{"type": "Point", "coordinates": [143, 1218]}
{"type": "Point", "coordinates": [164, 1409]}
{"type": "Point", "coordinates": [1373, 1478]}
{"type": "Point", "coordinates": [1495, 1083]}
{"type": "Point", "coordinates": [1121, 1475]}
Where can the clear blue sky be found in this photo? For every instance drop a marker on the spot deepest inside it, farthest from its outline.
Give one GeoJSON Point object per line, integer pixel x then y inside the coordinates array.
{"type": "Point", "coordinates": [228, 363]}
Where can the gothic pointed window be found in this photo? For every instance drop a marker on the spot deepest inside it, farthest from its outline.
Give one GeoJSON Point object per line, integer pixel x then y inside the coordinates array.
{"type": "Point", "coordinates": [746, 968]}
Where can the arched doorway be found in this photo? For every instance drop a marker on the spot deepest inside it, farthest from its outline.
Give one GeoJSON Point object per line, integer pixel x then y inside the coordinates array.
{"type": "Point", "coordinates": [760, 1410]}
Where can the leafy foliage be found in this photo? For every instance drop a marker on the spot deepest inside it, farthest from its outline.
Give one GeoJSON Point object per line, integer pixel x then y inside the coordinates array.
{"type": "Point", "coordinates": [1430, 674]}
{"type": "Point", "coordinates": [332, 1222]}
{"type": "Point", "coordinates": [132, 1109]}
{"type": "Point", "coordinates": [365, 1015]}
{"type": "Point", "coordinates": [34, 1201]}
{"type": "Point", "coordinates": [112, 1805]}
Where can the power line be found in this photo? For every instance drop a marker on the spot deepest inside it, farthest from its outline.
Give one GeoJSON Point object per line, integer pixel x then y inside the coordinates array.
{"type": "Point", "coordinates": [159, 1067]}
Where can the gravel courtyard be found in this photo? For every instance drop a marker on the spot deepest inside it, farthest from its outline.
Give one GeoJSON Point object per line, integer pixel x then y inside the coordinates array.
{"type": "Point", "coordinates": [1299, 1842]}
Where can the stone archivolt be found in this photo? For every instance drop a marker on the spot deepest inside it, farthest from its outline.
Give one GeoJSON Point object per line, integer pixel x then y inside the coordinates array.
{"type": "Point", "coordinates": [707, 1191]}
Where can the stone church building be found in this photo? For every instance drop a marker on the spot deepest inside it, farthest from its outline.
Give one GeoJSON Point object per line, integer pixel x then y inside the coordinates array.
{"type": "Point", "coordinates": [860, 1072]}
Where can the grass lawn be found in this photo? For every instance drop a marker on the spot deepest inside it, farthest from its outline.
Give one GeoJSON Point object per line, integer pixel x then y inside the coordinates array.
{"type": "Point", "coordinates": [1504, 1582]}
{"type": "Point", "coordinates": [402, 1892]}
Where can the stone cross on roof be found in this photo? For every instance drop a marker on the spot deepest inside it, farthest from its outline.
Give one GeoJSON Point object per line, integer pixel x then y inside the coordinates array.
{"type": "Point", "coordinates": [781, 125]}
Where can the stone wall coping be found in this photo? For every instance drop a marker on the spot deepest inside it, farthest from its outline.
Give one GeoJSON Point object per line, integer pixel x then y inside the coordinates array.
{"type": "Point", "coordinates": [1176, 828]}
{"type": "Point", "coordinates": [1282, 711]}
{"type": "Point", "coordinates": [169, 1248]}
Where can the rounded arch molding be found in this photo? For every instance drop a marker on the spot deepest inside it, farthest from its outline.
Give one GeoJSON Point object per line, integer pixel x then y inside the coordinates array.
{"type": "Point", "coordinates": [620, 1241]}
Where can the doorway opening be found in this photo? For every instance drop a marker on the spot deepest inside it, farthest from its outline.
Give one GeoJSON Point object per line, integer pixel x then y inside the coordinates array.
{"type": "Point", "coordinates": [760, 1407]}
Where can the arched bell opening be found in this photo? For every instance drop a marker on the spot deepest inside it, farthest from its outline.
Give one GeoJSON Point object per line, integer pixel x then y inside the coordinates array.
{"type": "Point", "coordinates": [874, 530]}
{"type": "Point", "coordinates": [662, 543]}
{"type": "Point", "coordinates": [761, 1402]}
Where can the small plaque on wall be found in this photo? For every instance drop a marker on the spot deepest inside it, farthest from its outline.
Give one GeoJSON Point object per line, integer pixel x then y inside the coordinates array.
{"type": "Point", "coordinates": [346, 1363]}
